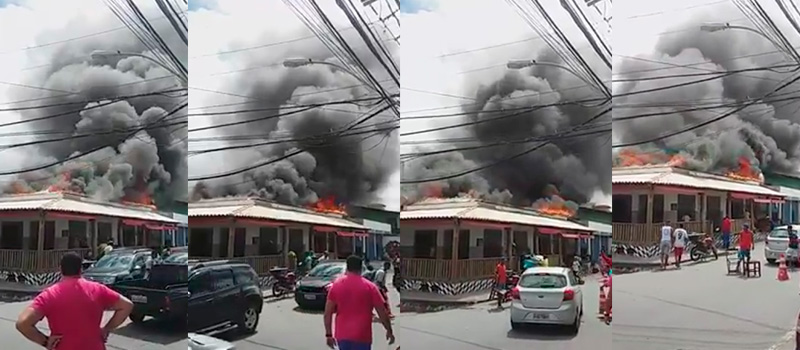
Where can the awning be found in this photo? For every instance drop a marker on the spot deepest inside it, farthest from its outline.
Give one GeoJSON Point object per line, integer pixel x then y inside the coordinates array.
{"type": "Point", "coordinates": [131, 222]}
{"type": "Point", "coordinates": [549, 231]}
{"type": "Point", "coordinates": [575, 236]}
{"type": "Point", "coordinates": [259, 222]}
{"type": "Point", "coordinates": [768, 200]}
{"type": "Point", "coordinates": [69, 216]}
{"type": "Point", "coordinates": [351, 234]}
{"type": "Point", "coordinates": [156, 227]}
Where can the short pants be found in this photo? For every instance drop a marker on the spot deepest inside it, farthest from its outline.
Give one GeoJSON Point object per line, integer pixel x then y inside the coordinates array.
{"type": "Point", "coordinates": [678, 252]}
{"type": "Point", "coordinates": [666, 248]}
{"type": "Point", "coordinates": [744, 254]}
{"type": "Point", "coordinates": [352, 345]}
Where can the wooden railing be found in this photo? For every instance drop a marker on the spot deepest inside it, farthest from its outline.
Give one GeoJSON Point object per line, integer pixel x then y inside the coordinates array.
{"type": "Point", "coordinates": [262, 263]}
{"type": "Point", "coordinates": [448, 270]}
{"type": "Point", "coordinates": [644, 234]}
{"type": "Point", "coordinates": [34, 261]}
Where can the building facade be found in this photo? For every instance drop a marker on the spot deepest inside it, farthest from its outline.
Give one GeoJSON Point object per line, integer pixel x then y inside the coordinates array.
{"type": "Point", "coordinates": [647, 197]}
{"type": "Point", "coordinates": [37, 229]}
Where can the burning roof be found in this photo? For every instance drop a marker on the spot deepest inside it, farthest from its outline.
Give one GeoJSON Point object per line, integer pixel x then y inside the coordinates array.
{"type": "Point", "coordinates": [76, 203]}
{"type": "Point", "coordinates": [672, 176]}
{"type": "Point", "coordinates": [467, 208]}
{"type": "Point", "coordinates": [256, 208]}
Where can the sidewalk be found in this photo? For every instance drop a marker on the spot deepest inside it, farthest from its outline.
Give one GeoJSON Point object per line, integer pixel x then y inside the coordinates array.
{"type": "Point", "coordinates": [628, 264]}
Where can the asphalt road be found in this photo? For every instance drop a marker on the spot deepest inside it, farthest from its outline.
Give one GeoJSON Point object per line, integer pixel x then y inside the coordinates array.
{"type": "Point", "coordinates": [478, 327]}
{"type": "Point", "coordinates": [148, 336]}
{"type": "Point", "coordinates": [700, 307]}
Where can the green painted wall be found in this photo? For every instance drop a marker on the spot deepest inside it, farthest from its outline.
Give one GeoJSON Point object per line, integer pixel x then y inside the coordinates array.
{"type": "Point", "coordinates": [782, 180]}
{"type": "Point", "coordinates": [374, 214]}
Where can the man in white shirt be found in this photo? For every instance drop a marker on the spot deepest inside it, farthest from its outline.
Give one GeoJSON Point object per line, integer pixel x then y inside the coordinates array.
{"type": "Point", "coordinates": [680, 242]}
{"type": "Point", "coordinates": [666, 244]}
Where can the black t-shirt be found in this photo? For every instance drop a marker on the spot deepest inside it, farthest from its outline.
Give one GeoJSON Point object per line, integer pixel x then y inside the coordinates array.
{"type": "Point", "coordinates": [793, 240]}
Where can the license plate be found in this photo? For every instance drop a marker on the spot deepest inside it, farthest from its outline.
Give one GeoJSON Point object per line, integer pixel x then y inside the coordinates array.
{"type": "Point", "coordinates": [539, 316]}
{"type": "Point", "coordinates": [310, 297]}
{"type": "Point", "coordinates": [141, 299]}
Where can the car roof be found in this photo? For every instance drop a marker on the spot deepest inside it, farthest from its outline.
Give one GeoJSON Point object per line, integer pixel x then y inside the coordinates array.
{"type": "Point", "coordinates": [127, 250]}
{"type": "Point", "coordinates": [784, 227]}
{"type": "Point", "coordinates": [535, 270]}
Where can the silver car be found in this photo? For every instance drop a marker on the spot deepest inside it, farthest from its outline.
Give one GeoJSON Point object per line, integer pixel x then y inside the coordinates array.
{"type": "Point", "coordinates": [778, 243]}
{"type": "Point", "coordinates": [547, 295]}
{"type": "Point", "coordinates": [204, 342]}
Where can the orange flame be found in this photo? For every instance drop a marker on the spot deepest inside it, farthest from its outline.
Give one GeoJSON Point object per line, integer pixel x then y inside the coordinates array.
{"type": "Point", "coordinates": [18, 187]}
{"type": "Point", "coordinates": [62, 184]}
{"type": "Point", "coordinates": [432, 190]}
{"type": "Point", "coordinates": [328, 205]}
{"type": "Point", "coordinates": [745, 172]}
{"type": "Point", "coordinates": [630, 157]}
{"type": "Point", "coordinates": [557, 208]}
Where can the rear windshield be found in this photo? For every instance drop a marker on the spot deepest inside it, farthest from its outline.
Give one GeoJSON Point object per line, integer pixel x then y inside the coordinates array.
{"type": "Point", "coordinates": [782, 233]}
{"type": "Point", "coordinates": [543, 280]}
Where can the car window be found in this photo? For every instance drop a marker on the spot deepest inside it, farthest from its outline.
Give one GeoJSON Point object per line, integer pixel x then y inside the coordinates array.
{"type": "Point", "coordinates": [222, 279]}
{"type": "Point", "coordinates": [200, 283]}
{"type": "Point", "coordinates": [326, 270]}
{"type": "Point", "coordinates": [573, 281]}
{"type": "Point", "coordinates": [141, 260]}
{"type": "Point", "coordinates": [114, 261]}
{"type": "Point", "coordinates": [780, 233]}
{"type": "Point", "coordinates": [177, 258]}
{"type": "Point", "coordinates": [543, 280]}
{"type": "Point", "coordinates": [244, 276]}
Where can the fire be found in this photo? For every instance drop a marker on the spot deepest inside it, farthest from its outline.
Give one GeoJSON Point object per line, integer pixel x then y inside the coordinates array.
{"type": "Point", "coordinates": [19, 187]}
{"type": "Point", "coordinates": [745, 172]}
{"type": "Point", "coordinates": [432, 190]}
{"type": "Point", "coordinates": [630, 157]}
{"type": "Point", "coordinates": [328, 205]}
{"type": "Point", "coordinates": [62, 184]}
{"type": "Point", "coordinates": [555, 209]}
{"type": "Point", "coordinates": [140, 199]}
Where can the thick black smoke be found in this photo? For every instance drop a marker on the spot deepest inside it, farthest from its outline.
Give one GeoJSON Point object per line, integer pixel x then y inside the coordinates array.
{"type": "Point", "coordinates": [150, 164]}
{"type": "Point", "coordinates": [577, 167]}
{"type": "Point", "coordinates": [767, 133]}
{"type": "Point", "coordinates": [352, 169]}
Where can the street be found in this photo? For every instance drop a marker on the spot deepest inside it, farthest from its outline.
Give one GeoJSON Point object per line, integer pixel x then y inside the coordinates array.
{"type": "Point", "coordinates": [477, 327]}
{"type": "Point", "coordinates": [148, 336]}
{"type": "Point", "coordinates": [700, 307]}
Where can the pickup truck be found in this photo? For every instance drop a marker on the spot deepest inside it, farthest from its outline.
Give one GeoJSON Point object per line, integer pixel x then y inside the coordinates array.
{"type": "Point", "coordinates": [163, 294]}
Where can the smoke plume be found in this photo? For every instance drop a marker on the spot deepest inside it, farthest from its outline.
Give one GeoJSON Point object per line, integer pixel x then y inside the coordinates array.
{"type": "Point", "coordinates": [766, 134]}
{"type": "Point", "coordinates": [577, 167]}
{"type": "Point", "coordinates": [351, 169]}
{"type": "Point", "coordinates": [149, 167]}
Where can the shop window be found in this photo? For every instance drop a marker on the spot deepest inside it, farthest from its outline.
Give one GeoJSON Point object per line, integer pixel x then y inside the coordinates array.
{"type": "Point", "coordinates": [296, 241]}
{"type": "Point", "coordinates": [737, 208]}
{"type": "Point", "coordinates": [425, 244]}
{"type": "Point", "coordinates": [447, 250]}
{"type": "Point", "coordinates": [268, 241]}
{"type": "Point", "coordinates": [76, 235]}
{"type": "Point", "coordinates": [544, 244]}
{"type": "Point", "coordinates": [104, 232]}
{"type": "Point", "coordinates": [11, 235]}
{"type": "Point", "coordinates": [239, 242]}
{"type": "Point", "coordinates": [202, 242]}
{"type": "Point", "coordinates": [521, 243]}
{"type": "Point", "coordinates": [492, 243]}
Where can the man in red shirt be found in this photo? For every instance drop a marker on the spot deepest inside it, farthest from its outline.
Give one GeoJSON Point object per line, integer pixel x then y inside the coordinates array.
{"type": "Point", "coordinates": [726, 232]}
{"type": "Point", "coordinates": [74, 310]}
{"type": "Point", "coordinates": [745, 245]}
{"type": "Point", "coordinates": [501, 278]}
{"type": "Point", "coordinates": [352, 298]}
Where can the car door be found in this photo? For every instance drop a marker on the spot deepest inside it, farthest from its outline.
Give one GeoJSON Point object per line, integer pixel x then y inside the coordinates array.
{"type": "Point", "coordinates": [226, 295]}
{"type": "Point", "coordinates": [201, 313]}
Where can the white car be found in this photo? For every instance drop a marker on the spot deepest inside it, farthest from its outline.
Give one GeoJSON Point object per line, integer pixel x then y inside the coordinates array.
{"type": "Point", "coordinates": [204, 342]}
{"type": "Point", "coordinates": [547, 295]}
{"type": "Point", "coordinates": [778, 243]}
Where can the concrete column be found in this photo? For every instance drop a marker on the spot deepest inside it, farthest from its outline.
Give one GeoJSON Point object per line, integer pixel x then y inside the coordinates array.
{"type": "Point", "coordinates": [231, 239]}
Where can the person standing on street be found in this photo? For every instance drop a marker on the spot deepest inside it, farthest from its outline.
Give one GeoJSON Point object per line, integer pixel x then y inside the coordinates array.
{"type": "Point", "coordinates": [680, 243]}
{"type": "Point", "coordinates": [745, 245]}
{"type": "Point", "coordinates": [726, 232]}
{"type": "Point", "coordinates": [74, 310]}
{"type": "Point", "coordinates": [380, 281]}
{"type": "Point", "coordinates": [500, 276]}
{"type": "Point", "coordinates": [666, 244]}
{"type": "Point", "coordinates": [353, 298]}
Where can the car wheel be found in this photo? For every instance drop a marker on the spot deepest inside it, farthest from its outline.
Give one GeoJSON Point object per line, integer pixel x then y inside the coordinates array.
{"type": "Point", "coordinates": [136, 318]}
{"type": "Point", "coordinates": [771, 261]}
{"type": "Point", "coordinates": [249, 321]}
{"type": "Point", "coordinates": [576, 326]}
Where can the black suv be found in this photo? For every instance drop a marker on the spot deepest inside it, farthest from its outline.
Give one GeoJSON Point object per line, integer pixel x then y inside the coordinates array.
{"type": "Point", "coordinates": [121, 264]}
{"type": "Point", "coordinates": [223, 295]}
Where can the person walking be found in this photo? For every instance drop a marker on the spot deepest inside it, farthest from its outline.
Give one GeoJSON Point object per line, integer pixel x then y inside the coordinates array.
{"type": "Point", "coordinates": [380, 282]}
{"type": "Point", "coordinates": [679, 244]}
{"type": "Point", "coordinates": [666, 244]}
{"type": "Point", "coordinates": [353, 298]}
{"type": "Point", "coordinates": [501, 276]}
{"type": "Point", "coordinates": [74, 310]}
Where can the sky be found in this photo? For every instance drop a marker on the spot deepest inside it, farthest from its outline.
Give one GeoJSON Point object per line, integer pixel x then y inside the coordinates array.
{"type": "Point", "coordinates": [453, 46]}
{"type": "Point", "coordinates": [257, 37]}
{"type": "Point", "coordinates": [49, 54]}
{"type": "Point", "coordinates": [643, 28]}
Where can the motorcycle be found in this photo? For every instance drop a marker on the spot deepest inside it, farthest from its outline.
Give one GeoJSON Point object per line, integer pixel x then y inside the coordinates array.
{"type": "Point", "coordinates": [701, 247]}
{"type": "Point", "coordinates": [285, 281]}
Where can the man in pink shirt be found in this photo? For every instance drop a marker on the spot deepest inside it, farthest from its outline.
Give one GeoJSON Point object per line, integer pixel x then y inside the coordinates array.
{"type": "Point", "coordinates": [352, 298]}
{"type": "Point", "coordinates": [74, 310]}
